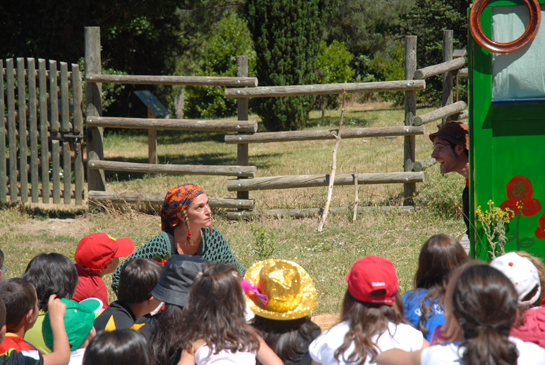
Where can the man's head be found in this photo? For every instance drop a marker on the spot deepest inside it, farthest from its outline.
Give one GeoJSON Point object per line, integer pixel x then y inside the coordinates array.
{"type": "Point", "coordinates": [450, 147]}
{"type": "Point", "coordinates": [21, 303]}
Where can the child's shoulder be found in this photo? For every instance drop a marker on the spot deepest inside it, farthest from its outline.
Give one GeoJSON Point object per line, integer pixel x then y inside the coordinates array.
{"type": "Point", "coordinates": [15, 350]}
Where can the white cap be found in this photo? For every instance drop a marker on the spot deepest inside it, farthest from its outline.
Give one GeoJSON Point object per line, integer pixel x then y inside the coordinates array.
{"type": "Point", "coordinates": [522, 273]}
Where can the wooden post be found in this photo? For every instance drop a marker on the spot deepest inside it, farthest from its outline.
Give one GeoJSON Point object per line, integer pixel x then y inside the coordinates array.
{"type": "Point", "coordinates": [33, 121]}
{"type": "Point", "coordinates": [409, 154]}
{"type": "Point", "coordinates": [447, 76]}
{"type": "Point", "coordinates": [44, 142]}
{"type": "Point", "coordinates": [23, 178]}
{"type": "Point", "coordinates": [3, 170]}
{"type": "Point", "coordinates": [93, 92]}
{"type": "Point", "coordinates": [152, 141]}
{"type": "Point", "coordinates": [242, 149]}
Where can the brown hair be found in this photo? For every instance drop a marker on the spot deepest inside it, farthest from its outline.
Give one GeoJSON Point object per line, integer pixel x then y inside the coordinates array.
{"type": "Point", "coordinates": [485, 302]}
{"type": "Point", "coordinates": [438, 257]}
{"type": "Point", "coordinates": [366, 320]}
{"type": "Point", "coordinates": [215, 313]}
{"type": "Point", "coordinates": [19, 297]}
{"type": "Point", "coordinates": [137, 279]}
{"type": "Point", "coordinates": [540, 270]}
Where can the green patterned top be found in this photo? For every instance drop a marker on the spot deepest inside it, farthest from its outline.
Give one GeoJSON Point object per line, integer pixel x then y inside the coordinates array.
{"type": "Point", "coordinates": [214, 248]}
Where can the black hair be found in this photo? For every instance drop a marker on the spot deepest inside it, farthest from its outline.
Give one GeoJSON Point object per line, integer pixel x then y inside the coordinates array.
{"type": "Point", "coordinates": [137, 279]}
{"type": "Point", "coordinates": [1, 260]}
{"type": "Point", "coordinates": [19, 297]}
{"type": "Point", "coordinates": [453, 147]}
{"type": "Point", "coordinates": [52, 273]}
{"type": "Point", "coordinates": [485, 303]}
{"type": "Point", "coordinates": [165, 335]}
{"type": "Point", "coordinates": [2, 313]}
{"type": "Point", "coordinates": [118, 347]}
{"type": "Point", "coordinates": [283, 337]}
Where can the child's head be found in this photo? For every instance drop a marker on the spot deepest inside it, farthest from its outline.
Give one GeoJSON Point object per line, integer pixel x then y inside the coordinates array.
{"type": "Point", "coordinates": [2, 265]}
{"type": "Point", "coordinates": [118, 347]}
{"type": "Point", "coordinates": [485, 303]}
{"type": "Point", "coordinates": [523, 274]}
{"type": "Point", "coordinates": [282, 295]}
{"type": "Point", "coordinates": [370, 303]}
{"type": "Point", "coordinates": [178, 275]}
{"type": "Point", "coordinates": [137, 279]}
{"type": "Point", "coordinates": [50, 274]}
{"type": "Point", "coordinates": [79, 321]}
{"type": "Point", "coordinates": [438, 257]}
{"type": "Point", "coordinates": [19, 297]}
{"type": "Point", "coordinates": [100, 253]}
{"type": "Point", "coordinates": [215, 312]}
{"type": "Point", "coordinates": [541, 272]}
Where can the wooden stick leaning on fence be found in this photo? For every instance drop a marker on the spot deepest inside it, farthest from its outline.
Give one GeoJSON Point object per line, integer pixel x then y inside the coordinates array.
{"type": "Point", "coordinates": [355, 216]}
{"type": "Point", "coordinates": [333, 168]}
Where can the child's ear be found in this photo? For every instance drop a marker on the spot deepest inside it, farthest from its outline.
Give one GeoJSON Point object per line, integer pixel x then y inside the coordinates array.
{"type": "Point", "coordinates": [3, 331]}
{"type": "Point", "coordinates": [29, 315]}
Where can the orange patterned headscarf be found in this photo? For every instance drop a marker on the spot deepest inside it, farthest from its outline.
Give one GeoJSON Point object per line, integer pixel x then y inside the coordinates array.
{"type": "Point", "coordinates": [177, 199]}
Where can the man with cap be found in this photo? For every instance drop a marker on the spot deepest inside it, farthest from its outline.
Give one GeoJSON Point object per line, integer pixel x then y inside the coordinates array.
{"type": "Point", "coordinates": [450, 149]}
{"type": "Point", "coordinates": [96, 256]}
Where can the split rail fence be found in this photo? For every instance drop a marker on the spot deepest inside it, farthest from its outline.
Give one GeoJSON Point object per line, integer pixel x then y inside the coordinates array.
{"type": "Point", "coordinates": [55, 136]}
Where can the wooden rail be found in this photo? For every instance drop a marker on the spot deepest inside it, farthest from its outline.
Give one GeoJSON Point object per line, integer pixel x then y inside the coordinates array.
{"type": "Point", "coordinates": [313, 212]}
{"type": "Point", "coordinates": [306, 181]}
{"type": "Point", "coordinates": [174, 124]}
{"type": "Point", "coordinates": [463, 72]}
{"type": "Point", "coordinates": [269, 137]}
{"type": "Point", "coordinates": [445, 111]}
{"type": "Point", "coordinates": [424, 164]}
{"type": "Point", "coordinates": [463, 115]}
{"type": "Point", "coordinates": [246, 171]}
{"type": "Point", "coordinates": [324, 89]}
{"type": "Point", "coordinates": [118, 198]}
{"type": "Point", "coordinates": [439, 69]}
{"type": "Point", "coordinates": [172, 80]}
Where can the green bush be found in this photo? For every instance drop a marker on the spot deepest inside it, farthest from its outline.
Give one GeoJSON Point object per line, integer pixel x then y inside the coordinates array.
{"type": "Point", "coordinates": [229, 38]}
{"type": "Point", "coordinates": [390, 69]}
{"type": "Point", "coordinates": [334, 60]}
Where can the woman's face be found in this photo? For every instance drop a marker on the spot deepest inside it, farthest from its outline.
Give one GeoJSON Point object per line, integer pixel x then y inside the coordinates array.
{"type": "Point", "coordinates": [199, 213]}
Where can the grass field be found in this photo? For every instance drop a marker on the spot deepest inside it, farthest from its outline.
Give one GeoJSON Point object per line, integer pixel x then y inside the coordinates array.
{"type": "Point", "coordinates": [29, 230]}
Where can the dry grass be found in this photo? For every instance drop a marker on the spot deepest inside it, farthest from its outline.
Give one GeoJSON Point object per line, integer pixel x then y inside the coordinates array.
{"type": "Point", "coordinates": [398, 237]}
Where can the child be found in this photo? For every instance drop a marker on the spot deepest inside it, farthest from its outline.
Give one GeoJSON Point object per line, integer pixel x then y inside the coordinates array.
{"type": "Point", "coordinates": [424, 305]}
{"type": "Point", "coordinates": [284, 320]}
{"type": "Point", "coordinates": [134, 299]}
{"type": "Point", "coordinates": [3, 269]}
{"type": "Point", "coordinates": [78, 320]}
{"type": "Point", "coordinates": [21, 303]}
{"type": "Point", "coordinates": [484, 301]}
{"type": "Point", "coordinates": [173, 288]}
{"type": "Point", "coordinates": [214, 328]}
{"type": "Point", "coordinates": [50, 274]}
{"type": "Point", "coordinates": [98, 255]}
{"type": "Point", "coordinates": [120, 347]}
{"type": "Point", "coordinates": [525, 277]}
{"type": "Point", "coordinates": [540, 270]}
{"type": "Point", "coordinates": [372, 318]}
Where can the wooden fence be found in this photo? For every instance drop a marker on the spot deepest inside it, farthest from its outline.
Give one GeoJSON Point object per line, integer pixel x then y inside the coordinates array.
{"type": "Point", "coordinates": [60, 131]}
{"type": "Point", "coordinates": [43, 121]}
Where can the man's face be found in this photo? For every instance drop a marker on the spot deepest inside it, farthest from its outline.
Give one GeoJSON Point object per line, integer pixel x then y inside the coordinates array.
{"type": "Point", "coordinates": [448, 157]}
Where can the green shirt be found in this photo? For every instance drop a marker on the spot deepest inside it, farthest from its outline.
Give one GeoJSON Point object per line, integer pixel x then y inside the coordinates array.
{"type": "Point", "coordinates": [214, 248]}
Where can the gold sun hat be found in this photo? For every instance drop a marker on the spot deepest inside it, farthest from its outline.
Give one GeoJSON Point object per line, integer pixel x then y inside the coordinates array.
{"type": "Point", "coordinates": [283, 290]}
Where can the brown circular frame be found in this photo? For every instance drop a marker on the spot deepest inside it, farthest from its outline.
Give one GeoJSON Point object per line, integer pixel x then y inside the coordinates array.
{"type": "Point", "coordinates": [508, 47]}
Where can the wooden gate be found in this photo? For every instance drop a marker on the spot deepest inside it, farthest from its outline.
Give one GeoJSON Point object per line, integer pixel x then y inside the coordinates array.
{"type": "Point", "coordinates": [43, 121]}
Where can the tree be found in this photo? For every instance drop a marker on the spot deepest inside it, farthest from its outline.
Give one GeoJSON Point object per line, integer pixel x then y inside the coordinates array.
{"type": "Point", "coordinates": [427, 20]}
{"type": "Point", "coordinates": [334, 60]}
{"type": "Point", "coordinates": [229, 37]}
{"type": "Point", "coordinates": [286, 36]}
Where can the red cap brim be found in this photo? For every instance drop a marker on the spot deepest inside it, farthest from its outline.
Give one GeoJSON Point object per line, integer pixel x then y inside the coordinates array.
{"type": "Point", "coordinates": [126, 247]}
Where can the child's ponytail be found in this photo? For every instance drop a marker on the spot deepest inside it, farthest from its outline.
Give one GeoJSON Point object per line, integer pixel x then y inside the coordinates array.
{"type": "Point", "coordinates": [485, 303]}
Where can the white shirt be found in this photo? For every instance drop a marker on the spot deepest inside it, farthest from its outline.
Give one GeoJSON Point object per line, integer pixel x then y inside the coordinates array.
{"type": "Point", "coordinates": [402, 336]}
{"type": "Point", "coordinates": [76, 357]}
{"type": "Point", "coordinates": [447, 353]}
{"type": "Point", "coordinates": [203, 356]}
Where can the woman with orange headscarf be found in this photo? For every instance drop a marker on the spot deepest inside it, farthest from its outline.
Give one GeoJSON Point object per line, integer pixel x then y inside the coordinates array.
{"type": "Point", "coordinates": [186, 224]}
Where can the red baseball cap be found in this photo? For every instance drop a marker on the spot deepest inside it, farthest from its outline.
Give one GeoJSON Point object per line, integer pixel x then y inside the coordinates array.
{"type": "Point", "coordinates": [98, 249]}
{"type": "Point", "coordinates": [370, 274]}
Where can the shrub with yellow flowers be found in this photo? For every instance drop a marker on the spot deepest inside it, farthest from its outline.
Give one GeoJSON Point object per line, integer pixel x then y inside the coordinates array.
{"type": "Point", "coordinates": [493, 222]}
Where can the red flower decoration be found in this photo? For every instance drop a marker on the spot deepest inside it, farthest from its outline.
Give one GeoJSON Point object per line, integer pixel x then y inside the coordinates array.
{"type": "Point", "coordinates": [540, 230]}
{"type": "Point", "coordinates": [519, 198]}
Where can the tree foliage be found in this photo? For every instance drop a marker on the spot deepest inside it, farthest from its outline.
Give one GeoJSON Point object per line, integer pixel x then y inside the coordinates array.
{"type": "Point", "coordinates": [334, 60]}
{"type": "Point", "coordinates": [229, 37]}
{"type": "Point", "coordinates": [286, 36]}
